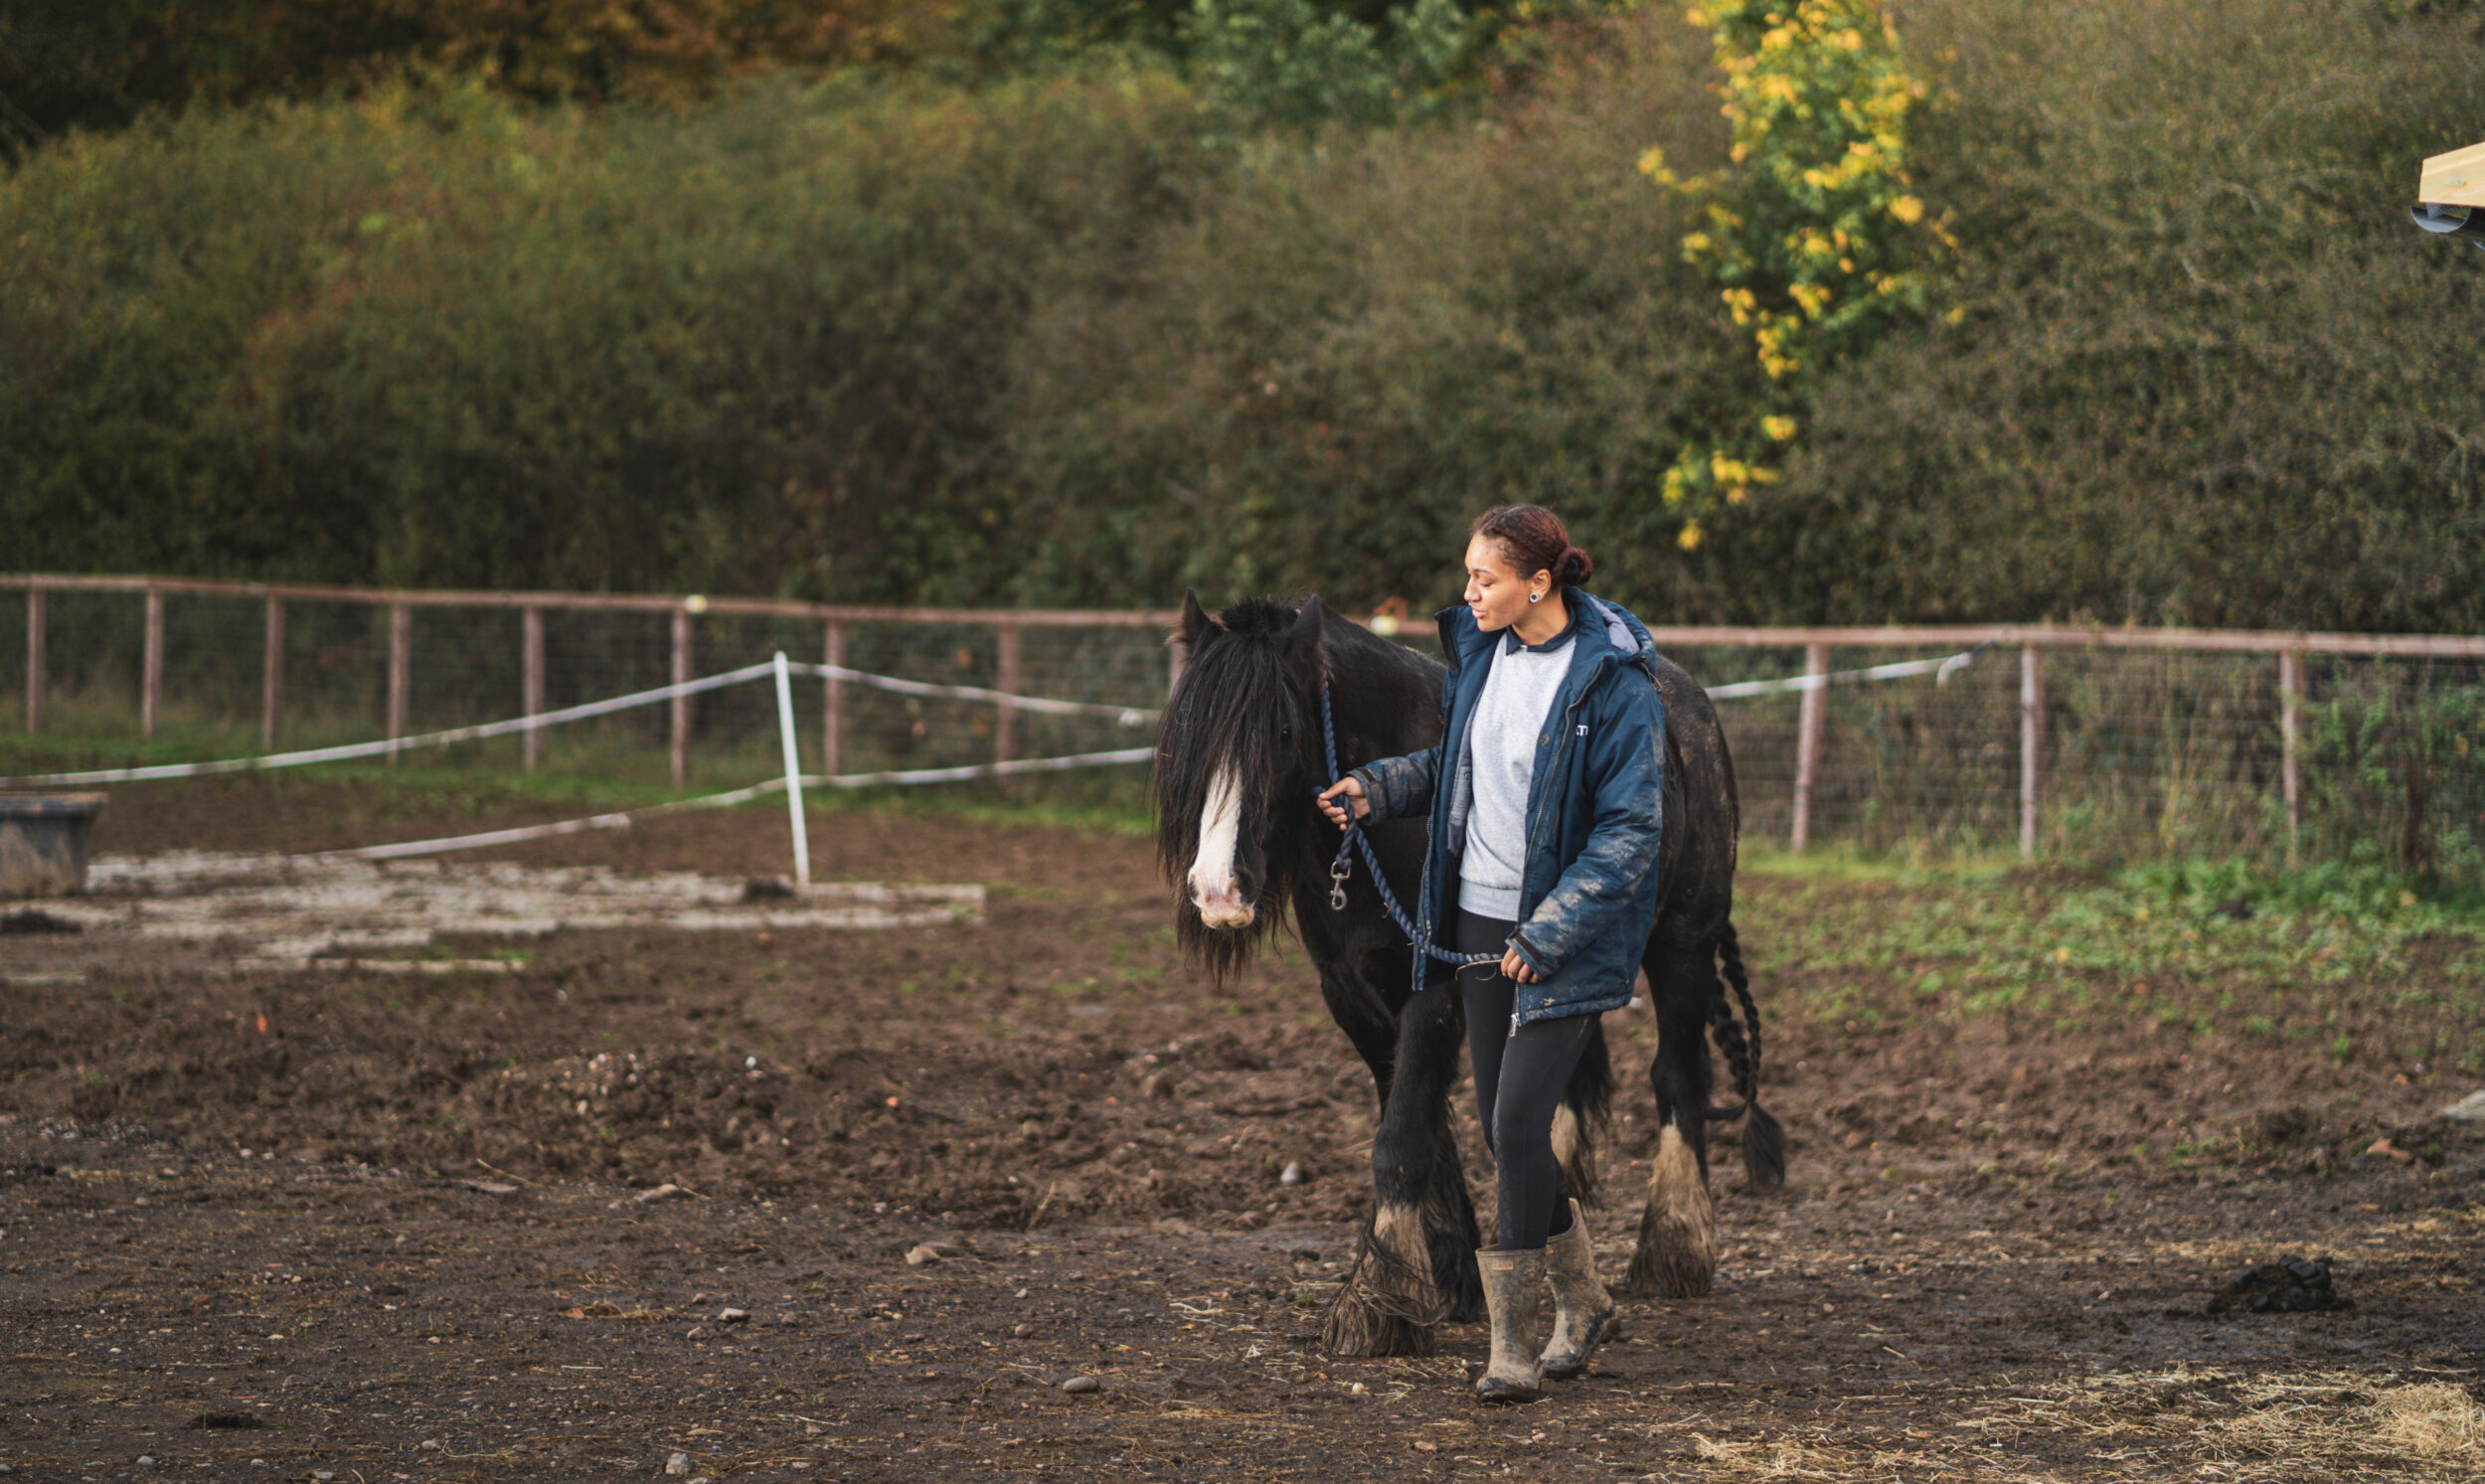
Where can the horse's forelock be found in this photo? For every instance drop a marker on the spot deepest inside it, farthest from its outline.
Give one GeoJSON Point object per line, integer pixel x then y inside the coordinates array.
{"type": "Point", "coordinates": [1232, 708]}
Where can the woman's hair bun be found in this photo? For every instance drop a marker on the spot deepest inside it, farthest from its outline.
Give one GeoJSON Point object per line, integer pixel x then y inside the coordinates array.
{"type": "Point", "coordinates": [1534, 540]}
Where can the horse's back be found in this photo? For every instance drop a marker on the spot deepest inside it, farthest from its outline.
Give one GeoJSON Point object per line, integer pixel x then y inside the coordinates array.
{"type": "Point", "coordinates": [1703, 815]}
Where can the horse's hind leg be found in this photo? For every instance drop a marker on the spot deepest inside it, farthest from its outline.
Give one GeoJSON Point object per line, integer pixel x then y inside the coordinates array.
{"type": "Point", "coordinates": [1416, 1265]}
{"type": "Point", "coordinates": [1677, 1254]}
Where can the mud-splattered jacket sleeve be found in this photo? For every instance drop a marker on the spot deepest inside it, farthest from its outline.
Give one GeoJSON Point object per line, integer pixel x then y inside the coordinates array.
{"type": "Point", "coordinates": [1400, 786]}
{"type": "Point", "coordinates": [1624, 774]}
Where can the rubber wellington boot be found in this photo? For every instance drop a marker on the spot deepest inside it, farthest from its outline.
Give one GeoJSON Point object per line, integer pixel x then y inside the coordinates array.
{"type": "Point", "coordinates": [1513, 1283]}
{"type": "Point", "coordinates": [1584, 1313]}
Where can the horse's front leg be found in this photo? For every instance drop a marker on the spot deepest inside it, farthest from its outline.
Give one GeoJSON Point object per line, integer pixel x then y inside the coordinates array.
{"type": "Point", "coordinates": [1416, 1263]}
{"type": "Point", "coordinates": [1677, 1254]}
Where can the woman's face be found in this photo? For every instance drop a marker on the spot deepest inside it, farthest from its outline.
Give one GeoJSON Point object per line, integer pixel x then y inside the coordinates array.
{"type": "Point", "coordinates": [1496, 593]}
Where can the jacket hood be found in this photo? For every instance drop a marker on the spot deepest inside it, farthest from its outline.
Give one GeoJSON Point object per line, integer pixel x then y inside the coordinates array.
{"type": "Point", "coordinates": [1599, 622]}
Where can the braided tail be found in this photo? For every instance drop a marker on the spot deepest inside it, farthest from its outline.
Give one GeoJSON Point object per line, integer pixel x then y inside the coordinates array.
{"type": "Point", "coordinates": [1763, 1138]}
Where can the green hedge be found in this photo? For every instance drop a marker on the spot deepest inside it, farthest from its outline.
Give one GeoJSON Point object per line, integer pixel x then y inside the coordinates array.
{"type": "Point", "coordinates": [1057, 339]}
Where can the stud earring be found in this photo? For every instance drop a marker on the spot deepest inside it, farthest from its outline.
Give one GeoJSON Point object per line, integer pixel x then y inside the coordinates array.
{"type": "Point", "coordinates": [1535, 598]}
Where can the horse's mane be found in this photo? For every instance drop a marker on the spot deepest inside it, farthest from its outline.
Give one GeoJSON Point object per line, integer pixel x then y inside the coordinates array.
{"type": "Point", "coordinates": [1239, 703]}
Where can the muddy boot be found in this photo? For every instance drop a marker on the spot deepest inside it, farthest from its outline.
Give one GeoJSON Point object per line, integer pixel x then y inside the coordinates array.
{"type": "Point", "coordinates": [1513, 1283]}
{"type": "Point", "coordinates": [1584, 1314]}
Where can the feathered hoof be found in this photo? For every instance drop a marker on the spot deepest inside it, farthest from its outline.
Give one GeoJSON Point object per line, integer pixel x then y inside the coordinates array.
{"type": "Point", "coordinates": [1666, 1271]}
{"type": "Point", "coordinates": [1362, 1326]}
{"type": "Point", "coordinates": [1676, 1256]}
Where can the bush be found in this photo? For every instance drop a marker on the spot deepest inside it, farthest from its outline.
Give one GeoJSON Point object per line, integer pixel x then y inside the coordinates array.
{"type": "Point", "coordinates": [2201, 374]}
{"type": "Point", "coordinates": [1035, 340]}
{"type": "Point", "coordinates": [439, 338]}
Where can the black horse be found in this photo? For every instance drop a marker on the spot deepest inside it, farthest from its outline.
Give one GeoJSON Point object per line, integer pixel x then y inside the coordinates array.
{"type": "Point", "coordinates": [1239, 759]}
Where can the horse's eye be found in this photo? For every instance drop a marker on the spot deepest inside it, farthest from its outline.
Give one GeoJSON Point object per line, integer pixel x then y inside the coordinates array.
{"type": "Point", "coordinates": [1286, 733]}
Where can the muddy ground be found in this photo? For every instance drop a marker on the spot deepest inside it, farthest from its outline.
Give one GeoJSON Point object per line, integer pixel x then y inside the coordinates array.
{"type": "Point", "coordinates": [380, 1225]}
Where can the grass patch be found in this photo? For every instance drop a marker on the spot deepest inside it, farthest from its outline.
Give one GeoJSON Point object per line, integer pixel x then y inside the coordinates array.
{"type": "Point", "coordinates": [2323, 955]}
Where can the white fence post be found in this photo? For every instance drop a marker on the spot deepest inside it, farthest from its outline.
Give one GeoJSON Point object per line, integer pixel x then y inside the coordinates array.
{"type": "Point", "coordinates": [793, 773]}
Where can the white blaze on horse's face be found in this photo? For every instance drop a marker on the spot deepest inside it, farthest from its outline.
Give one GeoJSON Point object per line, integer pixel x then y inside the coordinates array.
{"type": "Point", "coordinates": [1214, 890]}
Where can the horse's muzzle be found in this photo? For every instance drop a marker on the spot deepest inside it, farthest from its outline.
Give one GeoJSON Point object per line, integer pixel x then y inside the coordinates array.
{"type": "Point", "coordinates": [1222, 909]}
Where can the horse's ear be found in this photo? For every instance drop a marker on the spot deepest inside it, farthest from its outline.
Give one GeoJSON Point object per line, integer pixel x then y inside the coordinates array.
{"type": "Point", "coordinates": [1302, 646]}
{"type": "Point", "coordinates": [1194, 622]}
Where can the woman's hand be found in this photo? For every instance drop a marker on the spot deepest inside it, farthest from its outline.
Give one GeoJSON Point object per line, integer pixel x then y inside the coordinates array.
{"type": "Point", "coordinates": [1353, 788]}
{"type": "Point", "coordinates": [1516, 967]}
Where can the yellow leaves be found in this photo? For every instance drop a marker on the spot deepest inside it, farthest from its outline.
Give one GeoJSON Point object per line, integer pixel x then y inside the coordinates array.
{"type": "Point", "coordinates": [1652, 165]}
{"type": "Point", "coordinates": [1811, 260]}
{"type": "Point", "coordinates": [1689, 541]}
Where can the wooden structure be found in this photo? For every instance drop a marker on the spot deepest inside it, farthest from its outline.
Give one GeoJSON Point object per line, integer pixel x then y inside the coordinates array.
{"type": "Point", "coordinates": [1818, 647]}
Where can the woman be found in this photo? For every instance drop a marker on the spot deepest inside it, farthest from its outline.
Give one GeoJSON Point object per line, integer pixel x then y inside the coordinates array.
{"type": "Point", "coordinates": [1545, 800]}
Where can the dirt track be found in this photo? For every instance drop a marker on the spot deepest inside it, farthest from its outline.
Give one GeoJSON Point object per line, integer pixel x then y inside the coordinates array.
{"type": "Point", "coordinates": [395, 1223]}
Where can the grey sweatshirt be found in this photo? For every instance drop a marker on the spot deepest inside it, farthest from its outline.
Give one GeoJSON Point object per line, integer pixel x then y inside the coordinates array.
{"type": "Point", "coordinates": [1502, 746]}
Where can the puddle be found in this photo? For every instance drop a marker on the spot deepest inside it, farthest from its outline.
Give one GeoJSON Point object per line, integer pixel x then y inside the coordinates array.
{"type": "Point", "coordinates": [278, 912]}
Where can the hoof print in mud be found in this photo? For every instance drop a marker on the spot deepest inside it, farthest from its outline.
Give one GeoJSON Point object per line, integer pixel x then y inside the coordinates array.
{"type": "Point", "coordinates": [2290, 1286]}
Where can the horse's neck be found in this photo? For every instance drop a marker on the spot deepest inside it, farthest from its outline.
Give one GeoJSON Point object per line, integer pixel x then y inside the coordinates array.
{"type": "Point", "coordinates": [1390, 708]}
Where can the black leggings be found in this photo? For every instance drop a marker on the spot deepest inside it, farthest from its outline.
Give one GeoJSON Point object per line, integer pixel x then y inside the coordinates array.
{"type": "Point", "coordinates": [1519, 1081]}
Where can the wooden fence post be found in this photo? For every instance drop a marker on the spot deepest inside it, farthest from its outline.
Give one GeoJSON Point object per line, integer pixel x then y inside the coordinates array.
{"type": "Point", "coordinates": [531, 678]}
{"type": "Point", "coordinates": [1005, 728]}
{"type": "Point", "coordinates": [2291, 705]}
{"type": "Point", "coordinates": [271, 677]}
{"type": "Point", "coordinates": [2031, 746]}
{"type": "Point", "coordinates": [401, 673]}
{"type": "Point", "coordinates": [833, 709]}
{"type": "Point", "coordinates": [151, 667]}
{"type": "Point", "coordinates": [1808, 727]}
{"type": "Point", "coordinates": [681, 704]}
{"type": "Point", "coordinates": [34, 659]}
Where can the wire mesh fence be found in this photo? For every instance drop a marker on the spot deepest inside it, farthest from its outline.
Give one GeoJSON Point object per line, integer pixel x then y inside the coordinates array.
{"type": "Point", "coordinates": [2066, 744]}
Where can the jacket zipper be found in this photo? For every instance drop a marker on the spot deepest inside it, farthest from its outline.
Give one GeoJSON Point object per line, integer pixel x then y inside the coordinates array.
{"type": "Point", "coordinates": [1562, 741]}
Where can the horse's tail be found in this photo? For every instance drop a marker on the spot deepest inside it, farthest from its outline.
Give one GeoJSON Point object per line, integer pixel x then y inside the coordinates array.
{"type": "Point", "coordinates": [1763, 1137]}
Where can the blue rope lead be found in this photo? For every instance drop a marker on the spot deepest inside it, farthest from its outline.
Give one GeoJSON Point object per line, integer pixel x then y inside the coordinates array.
{"type": "Point", "coordinates": [1344, 866]}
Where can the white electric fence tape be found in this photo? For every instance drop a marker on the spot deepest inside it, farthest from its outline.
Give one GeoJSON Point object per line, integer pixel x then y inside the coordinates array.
{"type": "Point", "coordinates": [375, 749]}
{"type": "Point", "coordinates": [1940, 669]}
{"type": "Point", "coordinates": [1128, 716]}
{"type": "Point", "coordinates": [744, 797]}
